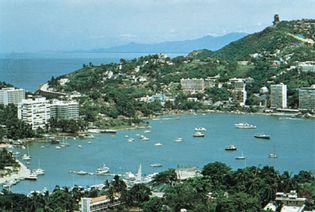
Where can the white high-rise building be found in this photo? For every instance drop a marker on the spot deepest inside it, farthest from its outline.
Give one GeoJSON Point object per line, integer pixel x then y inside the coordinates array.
{"type": "Point", "coordinates": [11, 96]}
{"type": "Point", "coordinates": [239, 93]}
{"type": "Point", "coordinates": [35, 112]}
{"type": "Point", "coordinates": [278, 96]}
{"type": "Point", "coordinates": [64, 110]}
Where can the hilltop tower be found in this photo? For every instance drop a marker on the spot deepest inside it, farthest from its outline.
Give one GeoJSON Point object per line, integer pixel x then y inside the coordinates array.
{"type": "Point", "coordinates": [276, 19]}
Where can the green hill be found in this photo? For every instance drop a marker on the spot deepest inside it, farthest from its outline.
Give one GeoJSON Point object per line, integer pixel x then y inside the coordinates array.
{"type": "Point", "coordinates": [122, 89]}
{"type": "Point", "coordinates": [283, 35]}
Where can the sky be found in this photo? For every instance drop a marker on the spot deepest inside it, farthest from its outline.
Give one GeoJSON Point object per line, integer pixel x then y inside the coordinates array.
{"type": "Point", "coordinates": [58, 25]}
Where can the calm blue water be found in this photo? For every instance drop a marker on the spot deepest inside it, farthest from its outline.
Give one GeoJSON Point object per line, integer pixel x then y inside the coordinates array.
{"type": "Point", "coordinates": [292, 140]}
{"type": "Point", "coordinates": [28, 71]}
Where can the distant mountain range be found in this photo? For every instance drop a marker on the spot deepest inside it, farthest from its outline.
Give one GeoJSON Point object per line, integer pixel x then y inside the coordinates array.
{"type": "Point", "coordinates": [207, 42]}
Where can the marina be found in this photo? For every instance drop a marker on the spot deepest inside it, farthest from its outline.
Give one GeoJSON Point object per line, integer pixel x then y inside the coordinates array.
{"type": "Point", "coordinates": [121, 156]}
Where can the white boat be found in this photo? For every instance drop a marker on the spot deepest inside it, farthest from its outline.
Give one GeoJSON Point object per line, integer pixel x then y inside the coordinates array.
{"type": "Point", "coordinates": [230, 147]}
{"type": "Point", "coordinates": [158, 144]}
{"type": "Point", "coordinates": [198, 134]}
{"type": "Point", "coordinates": [145, 139]}
{"type": "Point", "coordinates": [130, 139]}
{"type": "Point", "coordinates": [156, 165]}
{"type": "Point", "coordinates": [201, 129]}
{"type": "Point", "coordinates": [102, 170]}
{"type": "Point", "coordinates": [80, 146]}
{"type": "Point", "coordinates": [262, 136]}
{"type": "Point", "coordinates": [130, 176]}
{"type": "Point", "coordinates": [126, 136]}
{"type": "Point", "coordinates": [81, 172]}
{"type": "Point", "coordinates": [39, 171]}
{"type": "Point", "coordinates": [58, 147]}
{"type": "Point", "coordinates": [32, 176]}
{"type": "Point", "coordinates": [272, 155]}
{"type": "Point", "coordinates": [178, 140]}
{"type": "Point", "coordinates": [245, 126]}
{"type": "Point", "coordinates": [26, 157]}
{"type": "Point", "coordinates": [241, 157]}
{"type": "Point", "coordinates": [147, 131]}
{"type": "Point", "coordinates": [89, 142]}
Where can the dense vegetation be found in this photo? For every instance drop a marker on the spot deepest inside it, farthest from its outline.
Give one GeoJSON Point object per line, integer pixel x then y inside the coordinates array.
{"type": "Point", "coordinates": [114, 91]}
{"type": "Point", "coordinates": [10, 126]}
{"type": "Point", "coordinates": [6, 159]}
{"type": "Point", "coordinates": [219, 189]}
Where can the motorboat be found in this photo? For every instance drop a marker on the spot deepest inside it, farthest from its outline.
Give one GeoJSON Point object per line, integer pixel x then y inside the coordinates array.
{"type": "Point", "coordinates": [158, 144]}
{"type": "Point", "coordinates": [80, 146]}
{"type": "Point", "coordinates": [201, 129]}
{"type": "Point", "coordinates": [155, 165]}
{"type": "Point", "coordinates": [130, 139]}
{"type": "Point", "coordinates": [144, 138]}
{"type": "Point", "coordinates": [230, 147]}
{"type": "Point", "coordinates": [26, 157]}
{"type": "Point", "coordinates": [102, 170]}
{"type": "Point", "coordinates": [32, 176]}
{"type": "Point", "coordinates": [198, 134]}
{"type": "Point", "coordinates": [262, 136]}
{"type": "Point", "coordinates": [58, 147]}
{"type": "Point", "coordinates": [39, 171]}
{"type": "Point", "coordinates": [178, 140]}
{"type": "Point", "coordinates": [108, 131]}
{"type": "Point", "coordinates": [81, 172]}
{"type": "Point", "coordinates": [272, 155]}
{"type": "Point", "coordinates": [245, 126]}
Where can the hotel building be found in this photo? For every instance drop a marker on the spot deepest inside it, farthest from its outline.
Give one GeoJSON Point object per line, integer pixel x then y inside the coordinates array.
{"type": "Point", "coordinates": [64, 110]}
{"type": "Point", "coordinates": [35, 112]}
{"type": "Point", "coordinates": [11, 96]}
{"type": "Point", "coordinates": [278, 96]}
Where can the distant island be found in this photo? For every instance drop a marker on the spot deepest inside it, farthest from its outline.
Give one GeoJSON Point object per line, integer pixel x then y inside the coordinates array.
{"type": "Point", "coordinates": [207, 42]}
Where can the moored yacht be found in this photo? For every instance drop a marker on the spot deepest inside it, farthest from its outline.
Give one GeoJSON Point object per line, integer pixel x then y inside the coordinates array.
{"type": "Point", "coordinates": [32, 176]}
{"type": "Point", "coordinates": [156, 165]}
{"type": "Point", "coordinates": [272, 155]}
{"type": "Point", "coordinates": [262, 136]}
{"type": "Point", "coordinates": [245, 126]}
{"type": "Point", "coordinates": [178, 140]}
{"type": "Point", "coordinates": [26, 157]}
{"type": "Point", "coordinates": [201, 129]}
{"type": "Point", "coordinates": [102, 170]}
{"type": "Point", "coordinates": [198, 134]}
{"type": "Point", "coordinates": [230, 147]}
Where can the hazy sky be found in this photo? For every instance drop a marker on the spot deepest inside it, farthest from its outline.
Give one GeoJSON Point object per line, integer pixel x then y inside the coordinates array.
{"type": "Point", "coordinates": [35, 25]}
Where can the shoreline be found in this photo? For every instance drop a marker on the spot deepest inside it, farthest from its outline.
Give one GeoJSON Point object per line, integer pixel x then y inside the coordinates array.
{"type": "Point", "coordinates": [22, 173]}
{"type": "Point", "coordinates": [85, 134]}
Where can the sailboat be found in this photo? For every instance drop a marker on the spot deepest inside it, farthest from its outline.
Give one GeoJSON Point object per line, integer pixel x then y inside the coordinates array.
{"type": "Point", "coordinates": [27, 156]}
{"type": "Point", "coordinates": [39, 171]}
{"type": "Point", "coordinates": [273, 155]}
{"type": "Point", "coordinates": [241, 157]}
{"type": "Point", "coordinates": [139, 175]}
